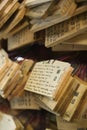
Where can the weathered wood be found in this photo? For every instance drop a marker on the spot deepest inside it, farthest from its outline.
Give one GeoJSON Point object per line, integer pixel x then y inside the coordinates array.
{"type": "Point", "coordinates": [21, 25]}
{"type": "Point", "coordinates": [74, 102]}
{"type": "Point", "coordinates": [18, 17]}
{"type": "Point", "coordinates": [8, 12]}
{"type": "Point", "coordinates": [5, 81]}
{"type": "Point", "coordinates": [52, 20]}
{"type": "Point", "coordinates": [20, 39]}
{"type": "Point", "coordinates": [3, 5]}
{"type": "Point", "coordinates": [66, 30]}
{"type": "Point", "coordinates": [69, 47]}
{"type": "Point", "coordinates": [33, 3]}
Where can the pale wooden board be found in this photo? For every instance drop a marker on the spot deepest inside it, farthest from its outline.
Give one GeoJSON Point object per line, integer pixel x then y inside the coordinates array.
{"type": "Point", "coordinates": [5, 70]}
{"type": "Point", "coordinates": [64, 81]}
{"type": "Point", "coordinates": [26, 66]}
{"type": "Point", "coordinates": [74, 102]}
{"type": "Point", "coordinates": [69, 47]}
{"type": "Point", "coordinates": [75, 125]}
{"type": "Point", "coordinates": [63, 93]}
{"type": "Point", "coordinates": [62, 7]}
{"type": "Point", "coordinates": [18, 83]}
{"type": "Point", "coordinates": [52, 20]}
{"type": "Point", "coordinates": [44, 105]}
{"type": "Point", "coordinates": [23, 37]}
{"type": "Point", "coordinates": [78, 40]}
{"type": "Point", "coordinates": [22, 24]}
{"type": "Point", "coordinates": [12, 84]}
{"type": "Point", "coordinates": [48, 102]}
{"type": "Point", "coordinates": [67, 97]}
{"type": "Point", "coordinates": [41, 83]}
{"type": "Point", "coordinates": [65, 30]}
{"type": "Point", "coordinates": [6, 80]}
{"type": "Point", "coordinates": [81, 109]}
{"type": "Point", "coordinates": [25, 101]}
{"type": "Point", "coordinates": [18, 17]}
{"type": "Point", "coordinates": [32, 3]}
{"type": "Point", "coordinates": [8, 12]}
{"type": "Point", "coordinates": [19, 87]}
{"type": "Point", "coordinates": [3, 60]}
{"type": "Point", "coordinates": [55, 5]}
{"type": "Point", "coordinates": [3, 5]}
{"type": "Point", "coordinates": [38, 11]}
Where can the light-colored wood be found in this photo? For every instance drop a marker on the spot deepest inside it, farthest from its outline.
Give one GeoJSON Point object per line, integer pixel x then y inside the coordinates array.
{"type": "Point", "coordinates": [5, 70]}
{"type": "Point", "coordinates": [74, 102]}
{"type": "Point", "coordinates": [69, 47]}
{"type": "Point", "coordinates": [50, 103]}
{"type": "Point", "coordinates": [63, 93]}
{"type": "Point", "coordinates": [25, 101]}
{"type": "Point", "coordinates": [80, 112]}
{"type": "Point", "coordinates": [3, 60]}
{"type": "Point", "coordinates": [49, 21]}
{"type": "Point", "coordinates": [19, 16]}
{"type": "Point", "coordinates": [33, 3]}
{"type": "Point", "coordinates": [3, 5]}
{"type": "Point", "coordinates": [6, 80]}
{"type": "Point", "coordinates": [24, 23]}
{"type": "Point", "coordinates": [11, 95]}
{"type": "Point", "coordinates": [56, 34]}
{"type": "Point", "coordinates": [18, 88]}
{"type": "Point", "coordinates": [74, 125]}
{"type": "Point", "coordinates": [62, 83]}
{"type": "Point", "coordinates": [80, 10]}
{"type": "Point", "coordinates": [41, 83]}
{"type": "Point", "coordinates": [20, 39]}
{"type": "Point", "coordinates": [38, 11]}
{"type": "Point", "coordinates": [63, 7]}
{"type": "Point", "coordinates": [12, 84]}
{"type": "Point", "coordinates": [26, 66]}
{"type": "Point", "coordinates": [25, 69]}
{"type": "Point", "coordinates": [55, 5]}
{"type": "Point", "coordinates": [8, 12]}
{"type": "Point", "coordinates": [63, 97]}
{"type": "Point", "coordinates": [78, 40]}
{"type": "Point", "coordinates": [67, 97]}
{"type": "Point", "coordinates": [44, 105]}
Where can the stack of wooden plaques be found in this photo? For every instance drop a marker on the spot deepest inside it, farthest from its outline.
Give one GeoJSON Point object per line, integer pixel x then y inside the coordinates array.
{"type": "Point", "coordinates": [71, 101]}
{"type": "Point", "coordinates": [12, 15]}
{"type": "Point", "coordinates": [56, 90]}
{"type": "Point", "coordinates": [45, 84]}
{"type": "Point", "coordinates": [58, 23]}
{"type": "Point", "coordinates": [48, 77]}
{"type": "Point", "coordinates": [12, 75]}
